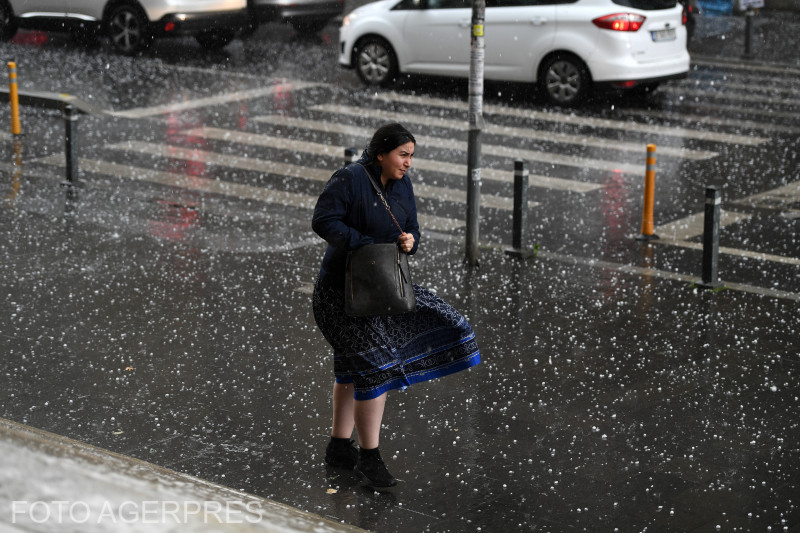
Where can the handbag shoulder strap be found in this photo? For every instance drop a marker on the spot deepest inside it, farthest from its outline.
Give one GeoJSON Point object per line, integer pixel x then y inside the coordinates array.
{"type": "Point", "coordinates": [380, 195]}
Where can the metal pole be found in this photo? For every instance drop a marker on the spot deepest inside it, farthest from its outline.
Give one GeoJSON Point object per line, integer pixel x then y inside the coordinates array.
{"type": "Point", "coordinates": [71, 144]}
{"type": "Point", "coordinates": [477, 52]}
{"type": "Point", "coordinates": [711, 237]}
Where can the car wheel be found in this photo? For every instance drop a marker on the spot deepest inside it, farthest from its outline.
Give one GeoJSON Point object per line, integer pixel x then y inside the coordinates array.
{"type": "Point", "coordinates": [215, 40]}
{"type": "Point", "coordinates": [127, 28]}
{"type": "Point", "coordinates": [308, 25]}
{"type": "Point", "coordinates": [564, 80]}
{"type": "Point", "coordinates": [375, 61]}
{"type": "Point", "coordinates": [8, 24]}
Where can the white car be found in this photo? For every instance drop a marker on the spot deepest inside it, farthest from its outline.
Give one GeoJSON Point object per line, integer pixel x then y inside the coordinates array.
{"type": "Point", "coordinates": [567, 47]}
{"type": "Point", "coordinates": [130, 24]}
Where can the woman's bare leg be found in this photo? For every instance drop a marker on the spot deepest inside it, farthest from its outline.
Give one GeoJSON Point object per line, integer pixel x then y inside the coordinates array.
{"type": "Point", "coordinates": [343, 411]}
{"type": "Point", "coordinates": [368, 416]}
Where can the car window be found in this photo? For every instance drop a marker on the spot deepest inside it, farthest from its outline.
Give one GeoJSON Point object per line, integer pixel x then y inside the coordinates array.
{"type": "Point", "coordinates": [524, 3]}
{"type": "Point", "coordinates": [647, 4]}
{"type": "Point", "coordinates": [409, 4]}
{"type": "Point", "coordinates": [449, 4]}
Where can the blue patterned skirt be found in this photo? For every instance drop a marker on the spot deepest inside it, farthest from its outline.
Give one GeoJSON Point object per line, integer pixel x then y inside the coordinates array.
{"type": "Point", "coordinates": [381, 353]}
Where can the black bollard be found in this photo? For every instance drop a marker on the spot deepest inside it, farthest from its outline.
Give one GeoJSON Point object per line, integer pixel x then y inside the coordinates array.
{"type": "Point", "coordinates": [350, 155]}
{"type": "Point", "coordinates": [71, 145]}
{"type": "Point", "coordinates": [748, 33]}
{"type": "Point", "coordinates": [520, 210]}
{"type": "Point", "coordinates": [711, 238]}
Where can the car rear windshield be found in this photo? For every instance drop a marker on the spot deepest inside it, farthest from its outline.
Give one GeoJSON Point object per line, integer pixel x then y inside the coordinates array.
{"type": "Point", "coordinates": [647, 5]}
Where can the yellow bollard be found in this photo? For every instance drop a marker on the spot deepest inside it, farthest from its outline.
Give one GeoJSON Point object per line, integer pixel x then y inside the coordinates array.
{"type": "Point", "coordinates": [649, 195]}
{"type": "Point", "coordinates": [13, 97]}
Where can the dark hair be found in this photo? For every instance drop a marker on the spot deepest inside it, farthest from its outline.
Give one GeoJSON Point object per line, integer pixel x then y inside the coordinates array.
{"type": "Point", "coordinates": [387, 138]}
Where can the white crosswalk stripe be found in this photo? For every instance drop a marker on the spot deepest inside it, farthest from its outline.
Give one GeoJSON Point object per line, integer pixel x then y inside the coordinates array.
{"type": "Point", "coordinates": [421, 190]}
{"type": "Point", "coordinates": [225, 188]}
{"type": "Point", "coordinates": [521, 134]}
{"type": "Point", "coordinates": [510, 152]}
{"type": "Point", "coordinates": [748, 97]}
{"type": "Point", "coordinates": [585, 121]}
{"type": "Point", "coordinates": [420, 163]}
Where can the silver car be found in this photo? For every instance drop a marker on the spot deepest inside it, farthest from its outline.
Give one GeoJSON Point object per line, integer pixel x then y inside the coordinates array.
{"type": "Point", "coordinates": [131, 25]}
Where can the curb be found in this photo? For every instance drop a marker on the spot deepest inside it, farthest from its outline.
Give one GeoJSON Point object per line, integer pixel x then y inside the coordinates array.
{"type": "Point", "coordinates": [53, 483]}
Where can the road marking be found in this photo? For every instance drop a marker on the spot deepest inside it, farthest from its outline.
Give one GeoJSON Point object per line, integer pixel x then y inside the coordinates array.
{"type": "Point", "coordinates": [745, 97]}
{"type": "Point", "coordinates": [680, 232]}
{"type": "Point", "coordinates": [282, 86]}
{"type": "Point", "coordinates": [734, 251]}
{"type": "Point", "coordinates": [741, 108]}
{"type": "Point", "coordinates": [520, 133]}
{"type": "Point", "coordinates": [448, 144]}
{"type": "Point", "coordinates": [720, 86]}
{"type": "Point", "coordinates": [565, 118]}
{"type": "Point", "coordinates": [645, 272]}
{"type": "Point", "coordinates": [692, 226]}
{"type": "Point", "coordinates": [421, 190]}
{"type": "Point", "coordinates": [225, 188]}
{"type": "Point", "coordinates": [741, 65]}
{"type": "Point", "coordinates": [286, 143]}
{"type": "Point", "coordinates": [784, 197]}
{"type": "Point", "coordinates": [665, 274]}
{"type": "Point", "coordinates": [703, 120]}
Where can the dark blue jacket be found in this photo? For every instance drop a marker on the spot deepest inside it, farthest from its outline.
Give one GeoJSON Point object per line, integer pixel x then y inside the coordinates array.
{"type": "Point", "coordinates": [349, 214]}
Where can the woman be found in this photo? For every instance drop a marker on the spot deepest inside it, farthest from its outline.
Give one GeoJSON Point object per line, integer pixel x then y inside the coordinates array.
{"type": "Point", "coordinates": [372, 355]}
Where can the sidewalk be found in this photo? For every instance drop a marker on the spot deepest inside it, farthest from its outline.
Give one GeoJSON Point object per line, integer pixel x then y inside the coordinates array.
{"type": "Point", "coordinates": [52, 483]}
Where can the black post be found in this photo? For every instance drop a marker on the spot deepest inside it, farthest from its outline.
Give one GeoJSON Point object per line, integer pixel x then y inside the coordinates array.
{"type": "Point", "coordinates": [520, 210]}
{"type": "Point", "coordinates": [350, 155]}
{"type": "Point", "coordinates": [748, 33]}
{"type": "Point", "coordinates": [71, 145]}
{"type": "Point", "coordinates": [711, 238]}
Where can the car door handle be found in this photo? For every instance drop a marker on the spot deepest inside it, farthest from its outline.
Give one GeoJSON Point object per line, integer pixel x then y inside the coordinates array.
{"type": "Point", "coordinates": [538, 21]}
{"type": "Point", "coordinates": [464, 23]}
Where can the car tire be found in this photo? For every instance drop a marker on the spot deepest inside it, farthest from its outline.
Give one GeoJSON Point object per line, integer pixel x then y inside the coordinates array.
{"type": "Point", "coordinates": [375, 61]}
{"type": "Point", "coordinates": [8, 24]}
{"type": "Point", "coordinates": [126, 26]}
{"type": "Point", "coordinates": [215, 40]}
{"type": "Point", "coordinates": [564, 80]}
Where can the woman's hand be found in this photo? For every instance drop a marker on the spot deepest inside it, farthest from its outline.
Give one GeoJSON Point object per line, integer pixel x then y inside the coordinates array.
{"type": "Point", "coordinates": [406, 241]}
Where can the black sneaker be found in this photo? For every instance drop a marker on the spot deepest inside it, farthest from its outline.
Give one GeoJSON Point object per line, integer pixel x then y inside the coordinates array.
{"type": "Point", "coordinates": [341, 453]}
{"type": "Point", "coordinates": [371, 469]}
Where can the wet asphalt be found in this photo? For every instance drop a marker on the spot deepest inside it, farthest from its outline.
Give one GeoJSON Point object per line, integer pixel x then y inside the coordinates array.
{"type": "Point", "coordinates": [175, 327]}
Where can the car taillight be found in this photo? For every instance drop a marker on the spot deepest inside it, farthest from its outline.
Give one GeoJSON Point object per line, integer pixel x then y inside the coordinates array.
{"type": "Point", "coordinates": [683, 18]}
{"type": "Point", "coordinates": [620, 22]}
